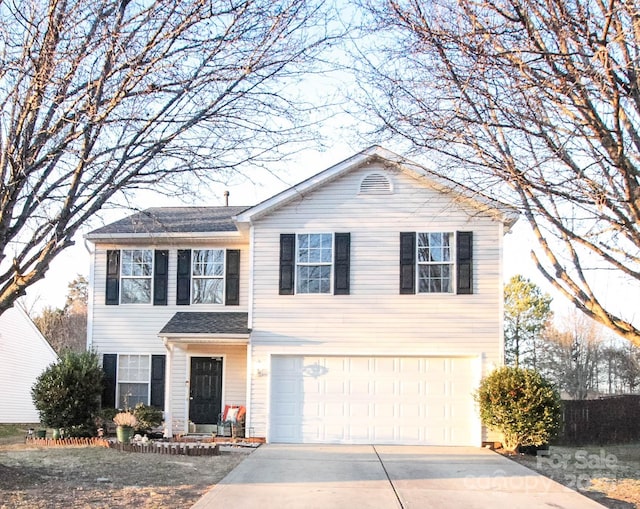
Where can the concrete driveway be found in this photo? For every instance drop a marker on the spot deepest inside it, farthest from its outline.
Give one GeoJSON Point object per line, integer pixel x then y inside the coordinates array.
{"type": "Point", "coordinates": [403, 477]}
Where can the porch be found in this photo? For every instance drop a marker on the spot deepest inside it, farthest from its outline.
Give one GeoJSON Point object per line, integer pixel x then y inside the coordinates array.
{"type": "Point", "coordinates": [206, 370]}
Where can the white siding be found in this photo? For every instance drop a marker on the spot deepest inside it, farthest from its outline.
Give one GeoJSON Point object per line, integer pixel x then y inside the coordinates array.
{"type": "Point", "coordinates": [24, 355]}
{"type": "Point", "coordinates": [134, 328]}
{"type": "Point", "coordinates": [374, 319]}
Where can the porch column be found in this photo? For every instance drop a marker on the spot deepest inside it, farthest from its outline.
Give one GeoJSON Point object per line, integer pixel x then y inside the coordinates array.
{"type": "Point", "coordinates": [168, 388]}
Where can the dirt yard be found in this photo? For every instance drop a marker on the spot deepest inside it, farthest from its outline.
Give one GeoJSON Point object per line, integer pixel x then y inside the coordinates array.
{"type": "Point", "coordinates": [92, 477]}
{"type": "Point", "coordinates": [609, 474]}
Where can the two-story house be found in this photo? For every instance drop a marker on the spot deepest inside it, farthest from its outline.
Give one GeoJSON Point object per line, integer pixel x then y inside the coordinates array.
{"type": "Point", "coordinates": [362, 305]}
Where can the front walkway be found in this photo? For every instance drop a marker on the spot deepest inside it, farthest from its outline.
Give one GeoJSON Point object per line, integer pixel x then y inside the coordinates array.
{"type": "Point", "coordinates": [395, 477]}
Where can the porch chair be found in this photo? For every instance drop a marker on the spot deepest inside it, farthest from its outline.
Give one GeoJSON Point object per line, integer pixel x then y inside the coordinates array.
{"type": "Point", "coordinates": [231, 421]}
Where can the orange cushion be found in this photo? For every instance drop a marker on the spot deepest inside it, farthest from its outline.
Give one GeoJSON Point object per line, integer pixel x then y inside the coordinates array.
{"type": "Point", "coordinates": [241, 412]}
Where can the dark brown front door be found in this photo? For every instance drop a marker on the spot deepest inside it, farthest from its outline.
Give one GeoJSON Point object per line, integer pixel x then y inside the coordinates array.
{"type": "Point", "coordinates": [206, 390]}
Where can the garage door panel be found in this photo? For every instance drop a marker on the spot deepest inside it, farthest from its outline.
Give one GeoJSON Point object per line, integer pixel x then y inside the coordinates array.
{"type": "Point", "coordinates": [372, 400]}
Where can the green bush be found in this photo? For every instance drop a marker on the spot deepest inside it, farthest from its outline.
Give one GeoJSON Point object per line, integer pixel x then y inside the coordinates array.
{"type": "Point", "coordinates": [148, 417]}
{"type": "Point", "coordinates": [67, 393]}
{"type": "Point", "coordinates": [520, 404]}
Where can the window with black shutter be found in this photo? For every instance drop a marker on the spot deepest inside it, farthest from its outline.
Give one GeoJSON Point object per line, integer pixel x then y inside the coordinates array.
{"type": "Point", "coordinates": [232, 278]}
{"type": "Point", "coordinates": [160, 277]}
{"type": "Point", "coordinates": [312, 262]}
{"type": "Point", "coordinates": [342, 267]}
{"type": "Point", "coordinates": [157, 380]}
{"type": "Point", "coordinates": [183, 282]}
{"type": "Point", "coordinates": [112, 290]}
{"type": "Point", "coordinates": [427, 263]}
{"type": "Point", "coordinates": [109, 366]}
{"type": "Point", "coordinates": [464, 245]}
{"type": "Point", "coordinates": [287, 263]}
{"type": "Point", "coordinates": [407, 263]}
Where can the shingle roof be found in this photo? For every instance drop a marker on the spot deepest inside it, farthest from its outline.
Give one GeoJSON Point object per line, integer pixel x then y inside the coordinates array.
{"type": "Point", "coordinates": [158, 220]}
{"type": "Point", "coordinates": [207, 323]}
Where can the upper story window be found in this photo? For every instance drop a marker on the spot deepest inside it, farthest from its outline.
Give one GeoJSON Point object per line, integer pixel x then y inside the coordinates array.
{"type": "Point", "coordinates": [207, 276]}
{"type": "Point", "coordinates": [435, 262]}
{"type": "Point", "coordinates": [315, 263]}
{"type": "Point", "coordinates": [314, 259]}
{"type": "Point", "coordinates": [136, 276]}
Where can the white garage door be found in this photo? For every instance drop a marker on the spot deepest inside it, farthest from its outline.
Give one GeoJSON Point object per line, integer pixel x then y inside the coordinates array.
{"type": "Point", "coordinates": [383, 400]}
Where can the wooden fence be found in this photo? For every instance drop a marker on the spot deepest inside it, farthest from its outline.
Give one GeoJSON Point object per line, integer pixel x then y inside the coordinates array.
{"type": "Point", "coordinates": [601, 421]}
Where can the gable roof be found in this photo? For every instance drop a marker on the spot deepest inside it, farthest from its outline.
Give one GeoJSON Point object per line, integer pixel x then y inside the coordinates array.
{"type": "Point", "coordinates": [171, 220]}
{"type": "Point", "coordinates": [505, 213]}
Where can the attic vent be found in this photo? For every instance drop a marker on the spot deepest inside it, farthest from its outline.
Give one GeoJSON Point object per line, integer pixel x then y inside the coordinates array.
{"type": "Point", "coordinates": [375, 183]}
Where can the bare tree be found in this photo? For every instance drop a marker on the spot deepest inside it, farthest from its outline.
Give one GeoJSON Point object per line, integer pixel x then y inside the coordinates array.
{"type": "Point", "coordinates": [66, 328]}
{"type": "Point", "coordinates": [100, 98]}
{"type": "Point", "coordinates": [621, 367]}
{"type": "Point", "coordinates": [570, 355]}
{"type": "Point", "coordinates": [542, 96]}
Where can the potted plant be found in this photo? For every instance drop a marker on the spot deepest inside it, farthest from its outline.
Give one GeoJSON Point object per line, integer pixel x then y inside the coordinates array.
{"type": "Point", "coordinates": [125, 424]}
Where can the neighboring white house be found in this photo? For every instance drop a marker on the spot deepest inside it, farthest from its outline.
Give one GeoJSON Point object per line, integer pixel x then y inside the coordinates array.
{"type": "Point", "coordinates": [362, 305]}
{"type": "Point", "coordinates": [24, 355]}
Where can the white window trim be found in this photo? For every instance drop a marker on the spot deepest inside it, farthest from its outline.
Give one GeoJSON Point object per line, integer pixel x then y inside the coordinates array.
{"type": "Point", "coordinates": [223, 277]}
{"type": "Point", "coordinates": [452, 263]}
{"type": "Point", "coordinates": [118, 381]}
{"type": "Point", "coordinates": [330, 264]}
{"type": "Point", "coordinates": [123, 277]}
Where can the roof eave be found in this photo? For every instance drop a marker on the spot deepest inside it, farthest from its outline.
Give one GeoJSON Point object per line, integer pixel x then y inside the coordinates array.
{"type": "Point", "coordinates": [306, 186]}
{"type": "Point", "coordinates": [163, 235]}
{"type": "Point", "coordinates": [180, 338]}
{"type": "Point", "coordinates": [506, 214]}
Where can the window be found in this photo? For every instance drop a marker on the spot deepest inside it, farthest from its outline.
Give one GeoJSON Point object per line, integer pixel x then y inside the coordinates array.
{"type": "Point", "coordinates": [435, 262]}
{"type": "Point", "coordinates": [133, 380]}
{"type": "Point", "coordinates": [314, 256]}
{"type": "Point", "coordinates": [136, 276]}
{"type": "Point", "coordinates": [309, 261]}
{"type": "Point", "coordinates": [207, 276]}
{"type": "Point", "coordinates": [428, 262]}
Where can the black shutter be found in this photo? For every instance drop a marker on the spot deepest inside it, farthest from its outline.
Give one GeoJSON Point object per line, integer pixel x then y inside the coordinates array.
{"type": "Point", "coordinates": [342, 260]}
{"type": "Point", "coordinates": [232, 278]}
{"type": "Point", "coordinates": [112, 289]}
{"type": "Point", "coordinates": [157, 381]}
{"type": "Point", "coordinates": [183, 286]}
{"type": "Point", "coordinates": [464, 261]}
{"type": "Point", "coordinates": [287, 263]}
{"type": "Point", "coordinates": [160, 277]}
{"type": "Point", "coordinates": [109, 365]}
{"type": "Point", "coordinates": [407, 262]}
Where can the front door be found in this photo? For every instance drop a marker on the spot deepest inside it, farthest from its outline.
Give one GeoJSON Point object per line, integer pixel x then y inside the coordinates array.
{"type": "Point", "coordinates": [206, 390]}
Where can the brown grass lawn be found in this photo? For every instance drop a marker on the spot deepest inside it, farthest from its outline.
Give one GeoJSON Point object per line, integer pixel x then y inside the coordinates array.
{"type": "Point", "coordinates": [609, 474]}
{"type": "Point", "coordinates": [95, 477]}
